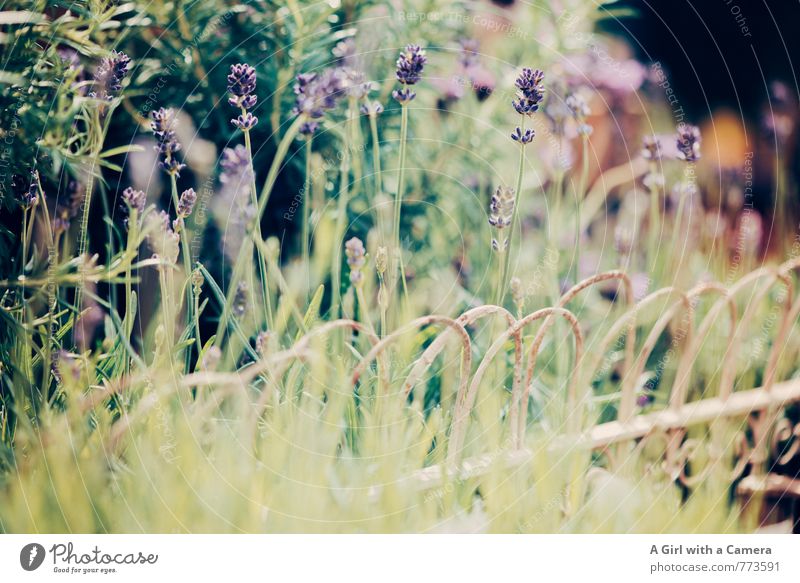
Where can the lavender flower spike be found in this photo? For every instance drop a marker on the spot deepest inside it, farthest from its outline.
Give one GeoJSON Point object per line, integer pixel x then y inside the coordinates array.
{"type": "Point", "coordinates": [241, 85]}
{"type": "Point", "coordinates": [163, 122]}
{"type": "Point", "coordinates": [316, 94]}
{"type": "Point", "coordinates": [530, 91]}
{"type": "Point", "coordinates": [235, 165]}
{"type": "Point", "coordinates": [501, 213]}
{"type": "Point", "coordinates": [688, 143]}
{"type": "Point", "coordinates": [355, 252]}
{"type": "Point", "coordinates": [135, 199]}
{"type": "Point", "coordinates": [410, 64]}
{"type": "Point", "coordinates": [501, 207]}
{"type": "Point", "coordinates": [31, 197]}
{"type": "Point", "coordinates": [111, 72]}
{"type": "Point", "coordinates": [186, 202]}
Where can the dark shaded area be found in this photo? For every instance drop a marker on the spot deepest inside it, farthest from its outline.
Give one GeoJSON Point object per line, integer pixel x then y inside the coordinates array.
{"type": "Point", "coordinates": [734, 55]}
{"type": "Point", "coordinates": [718, 52]}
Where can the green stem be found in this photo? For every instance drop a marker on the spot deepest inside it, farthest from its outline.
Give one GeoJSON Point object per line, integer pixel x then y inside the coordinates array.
{"type": "Point", "coordinates": [500, 288]}
{"type": "Point", "coordinates": [364, 309]}
{"type": "Point", "coordinates": [677, 230]}
{"type": "Point", "coordinates": [133, 223]}
{"type": "Point", "coordinates": [655, 218]}
{"type": "Point", "coordinates": [341, 220]}
{"type": "Point", "coordinates": [305, 229]}
{"type": "Point", "coordinates": [24, 240]}
{"type": "Point", "coordinates": [376, 152]}
{"type": "Point", "coordinates": [514, 218]}
{"type": "Point", "coordinates": [382, 290]}
{"type": "Point", "coordinates": [97, 147]}
{"type": "Point", "coordinates": [398, 201]}
{"type": "Point", "coordinates": [238, 271]}
{"type": "Point", "coordinates": [187, 265]}
{"type": "Point", "coordinates": [247, 247]}
{"type": "Point", "coordinates": [169, 318]}
{"type": "Point", "coordinates": [27, 366]}
{"type": "Point", "coordinates": [262, 264]}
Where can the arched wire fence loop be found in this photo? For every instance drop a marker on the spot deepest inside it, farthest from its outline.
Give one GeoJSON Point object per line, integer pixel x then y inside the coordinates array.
{"type": "Point", "coordinates": [568, 296]}
{"type": "Point", "coordinates": [628, 399]}
{"type": "Point", "coordinates": [379, 347]}
{"type": "Point", "coordinates": [466, 319]}
{"type": "Point", "coordinates": [463, 408]}
{"type": "Point", "coordinates": [592, 365]}
{"type": "Point", "coordinates": [678, 394]}
{"type": "Point", "coordinates": [764, 420]}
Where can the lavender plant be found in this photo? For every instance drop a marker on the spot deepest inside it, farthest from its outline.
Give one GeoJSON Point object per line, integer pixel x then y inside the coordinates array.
{"type": "Point", "coordinates": [408, 71]}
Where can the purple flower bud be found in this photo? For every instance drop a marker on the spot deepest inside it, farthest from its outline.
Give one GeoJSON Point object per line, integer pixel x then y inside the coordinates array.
{"type": "Point", "coordinates": [410, 64]}
{"type": "Point", "coordinates": [530, 91]}
{"type": "Point", "coordinates": [355, 252]}
{"type": "Point", "coordinates": [31, 196]}
{"type": "Point", "coordinates": [240, 300]}
{"type": "Point", "coordinates": [134, 199]}
{"type": "Point", "coordinates": [577, 106]}
{"type": "Point", "coordinates": [111, 72]}
{"type": "Point", "coordinates": [403, 95]}
{"type": "Point", "coordinates": [308, 128]}
{"type": "Point", "coordinates": [235, 166]}
{"type": "Point", "coordinates": [482, 82]}
{"type": "Point", "coordinates": [245, 121]}
{"type": "Point", "coordinates": [163, 122]}
{"type": "Point", "coordinates": [372, 108]}
{"type": "Point", "coordinates": [501, 212]}
{"type": "Point", "coordinates": [468, 58]}
{"type": "Point", "coordinates": [523, 138]}
{"type": "Point", "coordinates": [186, 202]}
{"type": "Point", "coordinates": [241, 85]}
{"type": "Point", "coordinates": [688, 143]}
{"type": "Point", "coordinates": [317, 93]}
{"type": "Point", "coordinates": [651, 148]}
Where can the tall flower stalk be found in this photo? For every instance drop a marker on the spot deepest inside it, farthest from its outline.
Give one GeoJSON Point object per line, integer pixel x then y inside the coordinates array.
{"type": "Point", "coordinates": [408, 71]}
{"type": "Point", "coordinates": [242, 86]}
{"type": "Point", "coordinates": [580, 111]}
{"type": "Point", "coordinates": [530, 92]}
{"type": "Point", "coordinates": [110, 74]}
{"type": "Point", "coordinates": [341, 211]}
{"type": "Point", "coordinates": [501, 213]}
{"type": "Point", "coordinates": [163, 126]}
{"type": "Point", "coordinates": [651, 151]}
{"type": "Point", "coordinates": [241, 262]}
{"type": "Point", "coordinates": [316, 94]}
{"type": "Point", "coordinates": [688, 143]}
{"type": "Point", "coordinates": [305, 228]}
{"type": "Point", "coordinates": [134, 201]}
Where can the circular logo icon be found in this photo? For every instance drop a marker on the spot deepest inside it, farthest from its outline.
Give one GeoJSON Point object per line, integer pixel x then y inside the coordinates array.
{"type": "Point", "coordinates": [31, 556]}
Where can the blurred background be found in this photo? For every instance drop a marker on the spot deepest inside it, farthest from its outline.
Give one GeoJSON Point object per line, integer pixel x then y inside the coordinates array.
{"type": "Point", "coordinates": [733, 65]}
